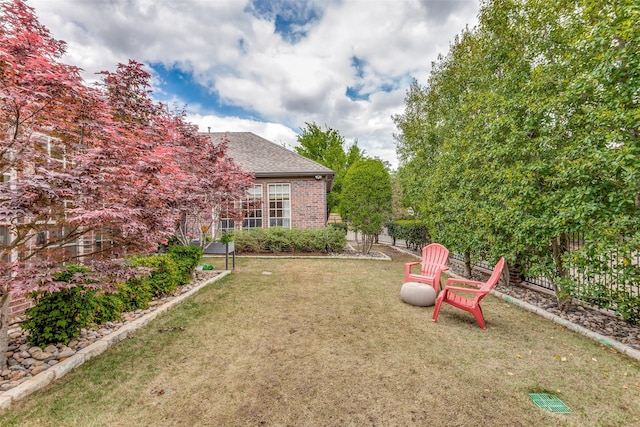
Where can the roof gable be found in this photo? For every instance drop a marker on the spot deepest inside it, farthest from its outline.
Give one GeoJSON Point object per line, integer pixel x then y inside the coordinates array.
{"type": "Point", "coordinates": [265, 158]}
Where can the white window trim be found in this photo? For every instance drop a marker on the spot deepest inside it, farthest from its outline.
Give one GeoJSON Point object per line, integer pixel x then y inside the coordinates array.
{"type": "Point", "coordinates": [288, 200]}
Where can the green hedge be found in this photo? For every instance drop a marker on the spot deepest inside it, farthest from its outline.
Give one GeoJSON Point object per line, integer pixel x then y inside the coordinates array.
{"type": "Point", "coordinates": [275, 240]}
{"type": "Point", "coordinates": [59, 316]}
{"type": "Point", "coordinates": [414, 232]}
{"type": "Point", "coordinates": [186, 258]}
{"type": "Point", "coordinates": [165, 276]}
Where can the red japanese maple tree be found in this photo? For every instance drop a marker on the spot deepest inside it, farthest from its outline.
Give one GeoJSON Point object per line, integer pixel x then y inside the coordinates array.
{"type": "Point", "coordinates": [77, 161]}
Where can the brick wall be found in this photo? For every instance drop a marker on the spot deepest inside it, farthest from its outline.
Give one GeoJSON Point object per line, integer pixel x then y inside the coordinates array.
{"type": "Point", "coordinates": [18, 305]}
{"type": "Point", "coordinates": [308, 201]}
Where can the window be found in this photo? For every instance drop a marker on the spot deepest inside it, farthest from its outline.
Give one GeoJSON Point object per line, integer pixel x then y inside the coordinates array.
{"type": "Point", "coordinates": [4, 242]}
{"type": "Point", "coordinates": [72, 251]}
{"type": "Point", "coordinates": [252, 208]}
{"type": "Point", "coordinates": [4, 235]}
{"type": "Point", "coordinates": [228, 211]}
{"type": "Point", "coordinates": [41, 238]}
{"type": "Point", "coordinates": [54, 150]}
{"type": "Point", "coordinates": [279, 205]}
{"type": "Point", "coordinates": [227, 224]}
{"type": "Point", "coordinates": [100, 242]}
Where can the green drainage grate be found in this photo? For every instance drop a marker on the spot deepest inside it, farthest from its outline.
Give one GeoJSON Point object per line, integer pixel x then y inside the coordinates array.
{"type": "Point", "coordinates": [550, 403]}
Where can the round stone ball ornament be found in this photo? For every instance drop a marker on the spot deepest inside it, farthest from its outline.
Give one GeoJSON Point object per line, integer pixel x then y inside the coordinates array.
{"type": "Point", "coordinates": [419, 294]}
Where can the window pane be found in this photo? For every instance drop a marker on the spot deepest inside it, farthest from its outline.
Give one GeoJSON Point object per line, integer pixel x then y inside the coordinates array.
{"type": "Point", "coordinates": [279, 205]}
{"type": "Point", "coordinates": [4, 235]}
{"type": "Point", "coordinates": [252, 208]}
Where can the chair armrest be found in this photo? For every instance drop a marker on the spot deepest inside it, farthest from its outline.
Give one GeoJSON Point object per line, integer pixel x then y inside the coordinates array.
{"type": "Point", "coordinates": [457, 288]}
{"type": "Point", "coordinates": [408, 267]}
{"type": "Point", "coordinates": [463, 281]}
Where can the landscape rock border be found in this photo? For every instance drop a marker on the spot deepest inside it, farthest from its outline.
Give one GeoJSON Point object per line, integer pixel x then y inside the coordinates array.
{"type": "Point", "coordinates": [43, 379]}
{"type": "Point", "coordinates": [602, 339]}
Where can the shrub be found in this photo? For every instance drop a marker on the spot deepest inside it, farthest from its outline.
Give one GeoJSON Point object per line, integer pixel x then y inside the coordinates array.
{"type": "Point", "coordinates": [339, 226]}
{"type": "Point", "coordinates": [227, 237]}
{"type": "Point", "coordinates": [328, 239]}
{"type": "Point", "coordinates": [279, 240]}
{"type": "Point", "coordinates": [301, 240]}
{"type": "Point", "coordinates": [59, 316]}
{"type": "Point", "coordinates": [135, 293]}
{"type": "Point", "coordinates": [165, 275]}
{"type": "Point", "coordinates": [186, 259]}
{"type": "Point", "coordinates": [109, 307]}
{"type": "Point", "coordinates": [253, 240]}
{"type": "Point", "coordinates": [366, 199]}
{"type": "Point", "coordinates": [414, 232]}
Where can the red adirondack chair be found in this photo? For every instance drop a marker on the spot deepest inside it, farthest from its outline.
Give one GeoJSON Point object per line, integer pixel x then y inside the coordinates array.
{"type": "Point", "coordinates": [434, 260]}
{"type": "Point", "coordinates": [472, 305]}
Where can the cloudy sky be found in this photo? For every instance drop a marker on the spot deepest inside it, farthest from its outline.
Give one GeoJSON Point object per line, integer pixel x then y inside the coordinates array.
{"type": "Point", "coordinates": [269, 67]}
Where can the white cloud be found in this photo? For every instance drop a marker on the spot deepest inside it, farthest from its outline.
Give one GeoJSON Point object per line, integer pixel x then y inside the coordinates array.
{"type": "Point", "coordinates": [272, 131]}
{"type": "Point", "coordinates": [237, 53]}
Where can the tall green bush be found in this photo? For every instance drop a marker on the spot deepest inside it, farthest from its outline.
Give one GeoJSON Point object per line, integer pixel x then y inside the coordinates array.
{"type": "Point", "coordinates": [186, 259]}
{"type": "Point", "coordinates": [367, 200]}
{"type": "Point", "coordinates": [527, 130]}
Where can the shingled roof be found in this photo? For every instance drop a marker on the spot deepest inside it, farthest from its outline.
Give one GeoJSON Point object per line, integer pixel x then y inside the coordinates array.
{"type": "Point", "coordinates": [267, 159]}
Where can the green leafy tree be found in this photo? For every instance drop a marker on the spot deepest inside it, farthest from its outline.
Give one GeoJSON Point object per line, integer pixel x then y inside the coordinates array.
{"type": "Point", "coordinates": [367, 199]}
{"type": "Point", "coordinates": [399, 210]}
{"type": "Point", "coordinates": [329, 148]}
{"type": "Point", "coordinates": [527, 131]}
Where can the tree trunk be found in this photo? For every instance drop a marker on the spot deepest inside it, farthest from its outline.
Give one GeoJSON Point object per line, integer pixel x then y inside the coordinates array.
{"type": "Point", "coordinates": [467, 264]}
{"type": "Point", "coordinates": [515, 271]}
{"type": "Point", "coordinates": [367, 242]}
{"type": "Point", "coordinates": [4, 328]}
{"type": "Point", "coordinates": [559, 247]}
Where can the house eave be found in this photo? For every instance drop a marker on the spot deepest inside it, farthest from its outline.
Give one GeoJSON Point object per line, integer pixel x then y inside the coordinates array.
{"type": "Point", "coordinates": [318, 175]}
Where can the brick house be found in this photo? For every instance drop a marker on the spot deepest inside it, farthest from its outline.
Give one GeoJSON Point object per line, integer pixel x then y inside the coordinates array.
{"type": "Point", "coordinates": [289, 190]}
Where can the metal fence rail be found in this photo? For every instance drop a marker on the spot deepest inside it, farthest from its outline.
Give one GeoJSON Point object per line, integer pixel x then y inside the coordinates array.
{"type": "Point", "coordinates": [602, 285]}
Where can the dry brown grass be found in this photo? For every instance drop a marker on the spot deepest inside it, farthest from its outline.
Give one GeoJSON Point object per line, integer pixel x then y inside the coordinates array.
{"type": "Point", "coordinates": [327, 342]}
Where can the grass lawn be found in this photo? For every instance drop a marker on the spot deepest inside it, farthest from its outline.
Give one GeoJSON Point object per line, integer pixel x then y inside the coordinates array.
{"type": "Point", "coordinates": [327, 342]}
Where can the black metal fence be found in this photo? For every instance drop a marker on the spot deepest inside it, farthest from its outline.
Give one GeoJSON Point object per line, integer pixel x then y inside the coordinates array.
{"type": "Point", "coordinates": [603, 282]}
